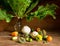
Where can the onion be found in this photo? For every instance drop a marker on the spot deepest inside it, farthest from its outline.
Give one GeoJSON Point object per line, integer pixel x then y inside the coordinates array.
{"type": "Point", "coordinates": [26, 30]}
{"type": "Point", "coordinates": [34, 34]}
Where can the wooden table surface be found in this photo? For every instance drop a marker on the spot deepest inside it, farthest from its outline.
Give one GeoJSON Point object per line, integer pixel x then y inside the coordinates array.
{"type": "Point", "coordinates": [5, 40]}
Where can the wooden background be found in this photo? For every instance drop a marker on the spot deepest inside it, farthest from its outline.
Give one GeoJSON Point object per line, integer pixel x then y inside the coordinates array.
{"type": "Point", "coordinates": [46, 23]}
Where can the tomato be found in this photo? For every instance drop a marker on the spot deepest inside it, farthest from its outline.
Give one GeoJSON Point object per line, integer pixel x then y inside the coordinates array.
{"type": "Point", "coordinates": [49, 38]}
{"type": "Point", "coordinates": [15, 33]}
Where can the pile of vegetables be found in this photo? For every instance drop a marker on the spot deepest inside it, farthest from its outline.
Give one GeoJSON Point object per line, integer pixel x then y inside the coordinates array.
{"type": "Point", "coordinates": [23, 8]}
{"type": "Point", "coordinates": [27, 35]}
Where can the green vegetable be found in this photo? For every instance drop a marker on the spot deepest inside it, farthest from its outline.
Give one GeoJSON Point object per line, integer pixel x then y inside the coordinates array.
{"type": "Point", "coordinates": [32, 30]}
{"type": "Point", "coordinates": [45, 38]}
{"type": "Point", "coordinates": [22, 40]}
{"type": "Point", "coordinates": [40, 33]}
{"type": "Point", "coordinates": [44, 32]}
{"type": "Point", "coordinates": [30, 40]}
{"type": "Point", "coordinates": [27, 39]}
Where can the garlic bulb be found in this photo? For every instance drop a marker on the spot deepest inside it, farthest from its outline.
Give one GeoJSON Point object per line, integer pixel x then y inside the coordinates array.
{"type": "Point", "coordinates": [34, 34]}
{"type": "Point", "coordinates": [26, 30]}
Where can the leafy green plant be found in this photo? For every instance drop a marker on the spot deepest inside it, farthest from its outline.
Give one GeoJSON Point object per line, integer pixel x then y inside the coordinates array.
{"type": "Point", "coordinates": [43, 11]}
{"type": "Point", "coordinates": [22, 8]}
{"type": "Point", "coordinates": [32, 5]}
{"type": "Point", "coordinates": [5, 16]}
{"type": "Point", "coordinates": [19, 6]}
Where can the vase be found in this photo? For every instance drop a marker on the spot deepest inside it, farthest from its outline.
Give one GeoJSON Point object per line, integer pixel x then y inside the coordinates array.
{"type": "Point", "coordinates": [17, 26]}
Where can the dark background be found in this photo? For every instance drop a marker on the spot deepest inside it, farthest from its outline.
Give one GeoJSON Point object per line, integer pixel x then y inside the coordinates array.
{"type": "Point", "coordinates": [47, 23]}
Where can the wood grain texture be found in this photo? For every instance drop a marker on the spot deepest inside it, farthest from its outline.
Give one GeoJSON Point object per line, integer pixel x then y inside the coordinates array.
{"type": "Point", "coordinates": [5, 40]}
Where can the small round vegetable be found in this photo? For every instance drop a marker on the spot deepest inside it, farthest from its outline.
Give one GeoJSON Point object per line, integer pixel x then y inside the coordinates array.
{"type": "Point", "coordinates": [38, 29]}
{"type": "Point", "coordinates": [49, 38]}
{"type": "Point", "coordinates": [27, 39]}
{"type": "Point", "coordinates": [39, 37]}
{"type": "Point", "coordinates": [30, 40]}
{"type": "Point", "coordinates": [14, 38]}
{"type": "Point", "coordinates": [15, 33]}
{"type": "Point", "coordinates": [34, 34]}
{"type": "Point", "coordinates": [26, 30]}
